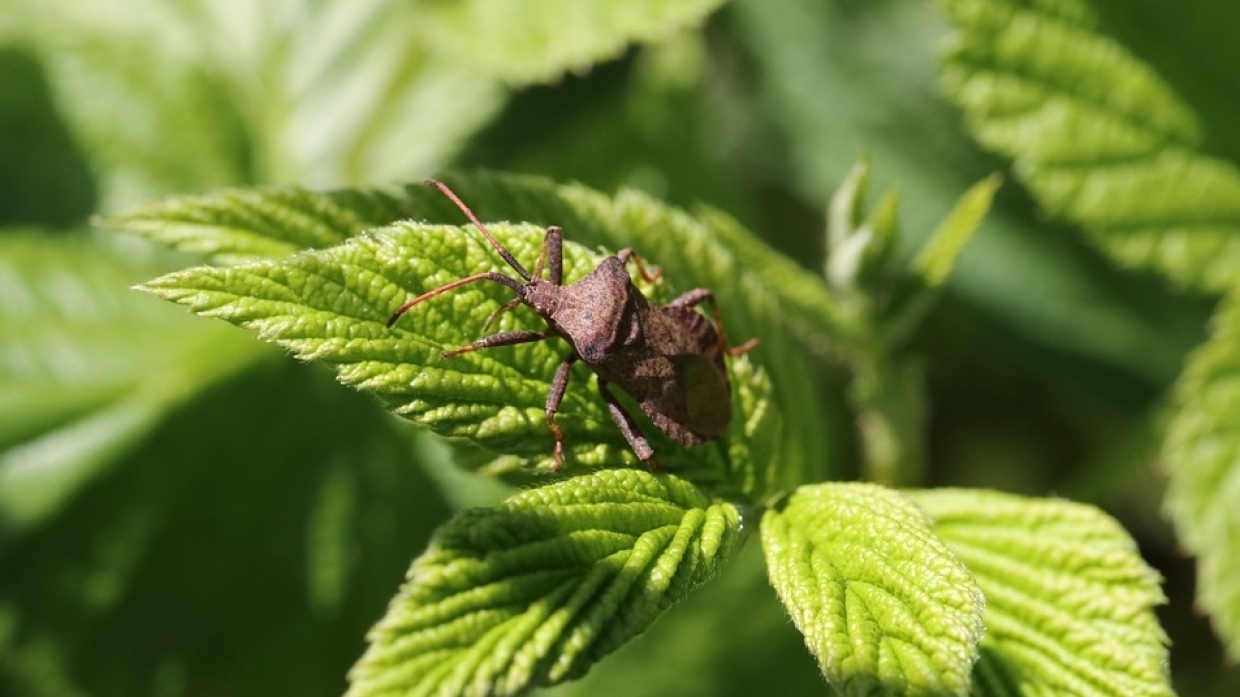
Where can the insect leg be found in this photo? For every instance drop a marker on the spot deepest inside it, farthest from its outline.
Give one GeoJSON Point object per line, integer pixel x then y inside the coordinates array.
{"type": "Point", "coordinates": [503, 308]}
{"type": "Point", "coordinates": [520, 336]}
{"type": "Point", "coordinates": [696, 297]}
{"type": "Point", "coordinates": [559, 384]}
{"type": "Point", "coordinates": [648, 276]}
{"type": "Point", "coordinates": [628, 427]}
{"type": "Point", "coordinates": [553, 251]}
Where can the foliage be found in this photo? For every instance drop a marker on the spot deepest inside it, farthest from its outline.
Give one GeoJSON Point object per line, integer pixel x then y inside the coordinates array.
{"type": "Point", "coordinates": [185, 510]}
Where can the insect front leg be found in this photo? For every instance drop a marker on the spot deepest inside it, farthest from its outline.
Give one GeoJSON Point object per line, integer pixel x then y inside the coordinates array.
{"type": "Point", "coordinates": [559, 384]}
{"type": "Point", "coordinates": [520, 336]}
{"type": "Point", "coordinates": [624, 420]}
{"type": "Point", "coordinates": [696, 297]}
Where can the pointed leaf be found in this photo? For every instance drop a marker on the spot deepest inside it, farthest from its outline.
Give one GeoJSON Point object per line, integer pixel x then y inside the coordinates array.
{"type": "Point", "coordinates": [1202, 453]}
{"type": "Point", "coordinates": [761, 292]}
{"type": "Point", "coordinates": [858, 250]}
{"type": "Point", "coordinates": [379, 272]}
{"type": "Point", "coordinates": [1099, 138]}
{"type": "Point", "coordinates": [534, 591]}
{"type": "Point", "coordinates": [884, 606]}
{"type": "Point", "coordinates": [938, 257]}
{"type": "Point", "coordinates": [1069, 601]}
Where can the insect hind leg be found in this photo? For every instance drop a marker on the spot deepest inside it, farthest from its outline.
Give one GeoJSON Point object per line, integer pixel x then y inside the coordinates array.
{"type": "Point", "coordinates": [696, 297]}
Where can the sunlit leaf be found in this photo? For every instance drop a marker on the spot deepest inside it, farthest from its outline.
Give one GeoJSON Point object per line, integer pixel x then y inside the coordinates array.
{"type": "Point", "coordinates": [332, 305]}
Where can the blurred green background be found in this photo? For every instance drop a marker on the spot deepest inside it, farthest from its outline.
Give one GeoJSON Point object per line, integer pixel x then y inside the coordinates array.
{"type": "Point", "coordinates": [186, 512]}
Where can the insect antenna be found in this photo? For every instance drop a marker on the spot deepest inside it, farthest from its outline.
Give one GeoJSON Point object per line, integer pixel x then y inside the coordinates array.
{"type": "Point", "coordinates": [507, 256]}
{"type": "Point", "coordinates": [492, 276]}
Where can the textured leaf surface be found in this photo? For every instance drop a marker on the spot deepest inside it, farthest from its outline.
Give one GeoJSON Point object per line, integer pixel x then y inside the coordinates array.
{"type": "Point", "coordinates": [532, 592]}
{"type": "Point", "coordinates": [1099, 138]}
{"type": "Point", "coordinates": [539, 40]}
{"type": "Point", "coordinates": [1202, 453]}
{"type": "Point", "coordinates": [1069, 601]}
{"type": "Point", "coordinates": [884, 606]}
{"type": "Point", "coordinates": [331, 305]}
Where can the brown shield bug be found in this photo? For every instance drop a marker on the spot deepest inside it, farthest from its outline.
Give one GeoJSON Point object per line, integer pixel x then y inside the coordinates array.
{"type": "Point", "coordinates": [668, 358]}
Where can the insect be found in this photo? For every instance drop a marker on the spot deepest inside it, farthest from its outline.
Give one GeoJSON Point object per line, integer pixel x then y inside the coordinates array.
{"type": "Point", "coordinates": [668, 358]}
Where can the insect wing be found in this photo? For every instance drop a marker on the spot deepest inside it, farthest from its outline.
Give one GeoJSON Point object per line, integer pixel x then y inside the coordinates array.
{"type": "Point", "coordinates": [693, 404]}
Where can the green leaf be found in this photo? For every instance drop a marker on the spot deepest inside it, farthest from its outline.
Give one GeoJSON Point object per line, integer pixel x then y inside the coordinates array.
{"type": "Point", "coordinates": [87, 367]}
{"type": "Point", "coordinates": [761, 292]}
{"type": "Point", "coordinates": [1069, 601]}
{"type": "Point", "coordinates": [536, 590]}
{"type": "Point", "coordinates": [884, 606]}
{"type": "Point", "coordinates": [1098, 137]}
{"type": "Point", "coordinates": [332, 305]}
{"type": "Point", "coordinates": [1202, 452]}
{"type": "Point", "coordinates": [539, 40]}
{"type": "Point", "coordinates": [936, 261]}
